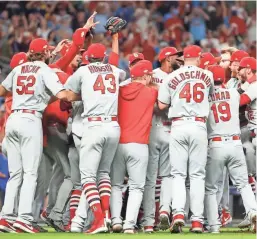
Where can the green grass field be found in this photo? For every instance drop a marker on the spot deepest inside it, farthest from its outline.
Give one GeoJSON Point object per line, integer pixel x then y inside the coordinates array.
{"type": "Point", "coordinates": [233, 233]}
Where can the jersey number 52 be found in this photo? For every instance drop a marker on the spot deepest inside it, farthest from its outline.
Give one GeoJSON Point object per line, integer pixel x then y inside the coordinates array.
{"type": "Point", "coordinates": [25, 85]}
{"type": "Point", "coordinates": [99, 83]}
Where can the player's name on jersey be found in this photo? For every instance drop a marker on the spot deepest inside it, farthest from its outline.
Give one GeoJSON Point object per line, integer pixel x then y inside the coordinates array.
{"type": "Point", "coordinates": [105, 68]}
{"type": "Point", "coordinates": [29, 69]}
{"type": "Point", "coordinates": [199, 75]}
{"type": "Point", "coordinates": [219, 96]}
{"type": "Point", "coordinates": [157, 80]}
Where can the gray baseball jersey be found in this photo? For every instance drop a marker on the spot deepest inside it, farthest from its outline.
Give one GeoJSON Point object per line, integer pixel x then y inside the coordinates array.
{"type": "Point", "coordinates": [186, 91]}
{"type": "Point", "coordinates": [223, 118]}
{"type": "Point", "coordinates": [252, 107]}
{"type": "Point", "coordinates": [125, 82]}
{"type": "Point", "coordinates": [30, 84]}
{"type": "Point", "coordinates": [98, 84]}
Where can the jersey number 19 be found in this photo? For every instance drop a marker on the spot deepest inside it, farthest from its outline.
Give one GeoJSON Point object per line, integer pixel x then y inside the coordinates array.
{"type": "Point", "coordinates": [221, 111]}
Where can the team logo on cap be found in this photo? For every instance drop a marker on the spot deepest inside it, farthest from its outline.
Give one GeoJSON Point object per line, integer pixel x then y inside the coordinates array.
{"type": "Point", "coordinates": [167, 53]}
{"type": "Point", "coordinates": [135, 55]}
{"type": "Point", "coordinates": [206, 63]}
{"type": "Point", "coordinates": [21, 61]}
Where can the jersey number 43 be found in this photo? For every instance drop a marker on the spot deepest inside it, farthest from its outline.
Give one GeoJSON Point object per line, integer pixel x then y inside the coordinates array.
{"type": "Point", "coordinates": [100, 83]}
{"type": "Point", "coordinates": [25, 85]}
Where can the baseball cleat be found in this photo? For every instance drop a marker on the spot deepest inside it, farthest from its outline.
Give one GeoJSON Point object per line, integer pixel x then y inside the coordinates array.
{"type": "Point", "coordinates": [246, 223]}
{"type": "Point", "coordinates": [98, 227]}
{"type": "Point", "coordinates": [25, 227]}
{"type": "Point", "coordinates": [225, 218]}
{"type": "Point", "coordinates": [7, 226]}
{"type": "Point", "coordinates": [177, 223]}
{"type": "Point", "coordinates": [45, 218]}
{"type": "Point", "coordinates": [197, 227]}
{"type": "Point", "coordinates": [57, 225]}
{"type": "Point", "coordinates": [156, 228]}
{"type": "Point", "coordinates": [253, 218]}
{"type": "Point", "coordinates": [39, 228]}
{"type": "Point", "coordinates": [164, 221]}
{"type": "Point", "coordinates": [117, 228]}
{"type": "Point", "coordinates": [129, 231]}
{"type": "Point", "coordinates": [214, 229]}
{"type": "Point", "coordinates": [148, 229]}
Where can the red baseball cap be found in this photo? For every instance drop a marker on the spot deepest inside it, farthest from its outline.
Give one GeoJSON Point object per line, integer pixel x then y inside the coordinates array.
{"type": "Point", "coordinates": [135, 56]}
{"type": "Point", "coordinates": [38, 45]}
{"type": "Point", "coordinates": [218, 72]}
{"type": "Point", "coordinates": [192, 51]}
{"type": "Point", "coordinates": [18, 59]}
{"type": "Point", "coordinates": [141, 68]}
{"type": "Point", "coordinates": [85, 58]}
{"type": "Point", "coordinates": [96, 50]}
{"type": "Point", "coordinates": [238, 55]}
{"type": "Point", "coordinates": [167, 51]}
{"type": "Point", "coordinates": [248, 62]}
{"type": "Point", "coordinates": [207, 60]}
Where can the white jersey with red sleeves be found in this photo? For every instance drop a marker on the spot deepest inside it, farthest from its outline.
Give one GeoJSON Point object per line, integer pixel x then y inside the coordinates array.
{"type": "Point", "coordinates": [186, 90]}
{"type": "Point", "coordinates": [98, 84]}
{"type": "Point", "coordinates": [159, 116]}
{"type": "Point", "coordinates": [251, 111]}
{"type": "Point", "coordinates": [223, 119]}
{"type": "Point", "coordinates": [31, 85]}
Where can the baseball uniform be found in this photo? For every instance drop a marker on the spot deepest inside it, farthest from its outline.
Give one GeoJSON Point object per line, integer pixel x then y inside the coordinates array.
{"type": "Point", "coordinates": [186, 91]}
{"type": "Point", "coordinates": [136, 103]}
{"type": "Point", "coordinates": [29, 84]}
{"type": "Point", "coordinates": [225, 150]}
{"type": "Point", "coordinates": [159, 163]}
{"type": "Point", "coordinates": [98, 84]}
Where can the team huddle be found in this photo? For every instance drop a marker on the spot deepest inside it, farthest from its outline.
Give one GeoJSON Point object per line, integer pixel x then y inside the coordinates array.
{"type": "Point", "coordinates": [115, 153]}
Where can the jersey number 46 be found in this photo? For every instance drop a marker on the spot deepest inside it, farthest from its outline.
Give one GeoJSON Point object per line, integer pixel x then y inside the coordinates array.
{"type": "Point", "coordinates": [25, 85]}
{"type": "Point", "coordinates": [194, 92]}
{"type": "Point", "coordinates": [99, 84]}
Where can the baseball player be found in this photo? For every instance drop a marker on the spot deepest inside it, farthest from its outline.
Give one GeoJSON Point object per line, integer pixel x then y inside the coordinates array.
{"type": "Point", "coordinates": [186, 92]}
{"type": "Point", "coordinates": [133, 59]}
{"type": "Point", "coordinates": [159, 151]}
{"type": "Point", "coordinates": [132, 152]}
{"type": "Point", "coordinates": [29, 83]}
{"type": "Point", "coordinates": [101, 131]}
{"type": "Point", "coordinates": [207, 59]}
{"type": "Point", "coordinates": [225, 150]}
{"type": "Point", "coordinates": [77, 200]}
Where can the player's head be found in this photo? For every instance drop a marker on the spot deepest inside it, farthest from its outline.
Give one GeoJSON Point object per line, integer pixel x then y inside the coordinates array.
{"type": "Point", "coordinates": [168, 56]}
{"type": "Point", "coordinates": [135, 58]}
{"type": "Point", "coordinates": [96, 52]}
{"type": "Point", "coordinates": [235, 59]}
{"type": "Point", "coordinates": [207, 60]}
{"type": "Point", "coordinates": [226, 57]}
{"type": "Point", "coordinates": [247, 68]}
{"type": "Point", "coordinates": [219, 74]}
{"type": "Point", "coordinates": [84, 59]}
{"type": "Point", "coordinates": [142, 72]}
{"type": "Point", "coordinates": [192, 55]}
{"type": "Point", "coordinates": [18, 59]}
{"type": "Point", "coordinates": [39, 50]}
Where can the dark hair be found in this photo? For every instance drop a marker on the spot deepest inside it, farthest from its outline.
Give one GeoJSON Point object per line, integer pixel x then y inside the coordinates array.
{"type": "Point", "coordinates": [36, 56]}
{"type": "Point", "coordinates": [134, 62]}
{"type": "Point", "coordinates": [94, 60]}
{"type": "Point", "coordinates": [217, 82]}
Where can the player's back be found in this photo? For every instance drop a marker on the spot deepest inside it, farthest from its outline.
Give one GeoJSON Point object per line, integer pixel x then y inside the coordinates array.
{"type": "Point", "coordinates": [100, 88]}
{"type": "Point", "coordinates": [224, 112]}
{"type": "Point", "coordinates": [28, 87]}
{"type": "Point", "coordinates": [160, 117]}
{"type": "Point", "coordinates": [189, 88]}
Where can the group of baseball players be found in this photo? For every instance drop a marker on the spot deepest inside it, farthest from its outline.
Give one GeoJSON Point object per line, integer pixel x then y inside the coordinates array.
{"type": "Point", "coordinates": [112, 153]}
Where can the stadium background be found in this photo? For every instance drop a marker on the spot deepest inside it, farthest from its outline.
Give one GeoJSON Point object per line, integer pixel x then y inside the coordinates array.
{"type": "Point", "coordinates": [152, 25]}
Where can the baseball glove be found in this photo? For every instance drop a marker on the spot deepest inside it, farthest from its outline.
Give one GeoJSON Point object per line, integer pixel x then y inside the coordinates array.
{"type": "Point", "coordinates": [115, 24]}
